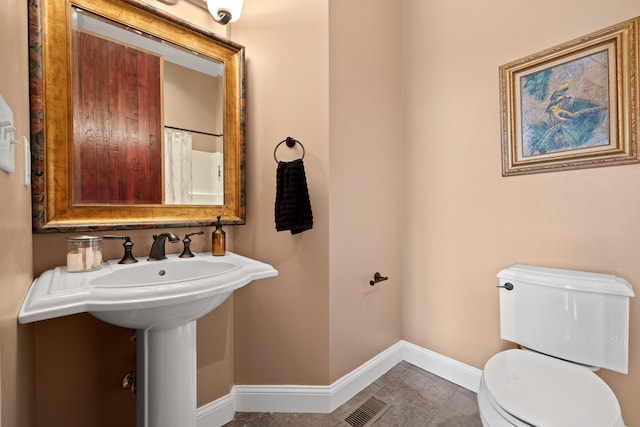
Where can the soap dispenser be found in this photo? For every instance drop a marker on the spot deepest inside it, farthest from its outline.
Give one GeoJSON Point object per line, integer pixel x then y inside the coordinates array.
{"type": "Point", "coordinates": [218, 240]}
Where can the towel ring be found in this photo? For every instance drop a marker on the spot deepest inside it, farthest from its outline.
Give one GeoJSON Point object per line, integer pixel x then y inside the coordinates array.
{"type": "Point", "coordinates": [290, 143]}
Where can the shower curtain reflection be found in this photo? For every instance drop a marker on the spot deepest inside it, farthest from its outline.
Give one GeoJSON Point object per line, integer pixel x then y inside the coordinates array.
{"type": "Point", "coordinates": [177, 167]}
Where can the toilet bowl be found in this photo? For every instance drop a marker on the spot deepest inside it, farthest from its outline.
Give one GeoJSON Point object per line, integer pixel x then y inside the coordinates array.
{"type": "Point", "coordinates": [525, 388]}
{"type": "Point", "coordinates": [569, 321]}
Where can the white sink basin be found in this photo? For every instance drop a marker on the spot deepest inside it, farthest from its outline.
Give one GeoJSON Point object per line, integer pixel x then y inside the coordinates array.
{"type": "Point", "coordinates": [161, 300]}
{"type": "Point", "coordinates": [154, 279]}
{"type": "Point", "coordinates": [163, 272]}
{"type": "Point", "coordinates": [148, 294]}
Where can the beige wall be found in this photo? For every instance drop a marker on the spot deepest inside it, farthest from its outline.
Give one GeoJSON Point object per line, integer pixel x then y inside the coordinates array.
{"type": "Point", "coordinates": [364, 180]}
{"type": "Point", "coordinates": [16, 342]}
{"type": "Point", "coordinates": [312, 77]}
{"type": "Point", "coordinates": [462, 221]}
{"type": "Point", "coordinates": [402, 133]}
{"type": "Point", "coordinates": [282, 324]}
{"type": "Point", "coordinates": [192, 100]}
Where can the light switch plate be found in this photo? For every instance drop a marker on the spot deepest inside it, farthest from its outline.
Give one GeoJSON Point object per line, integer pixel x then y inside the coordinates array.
{"type": "Point", "coordinates": [7, 130]}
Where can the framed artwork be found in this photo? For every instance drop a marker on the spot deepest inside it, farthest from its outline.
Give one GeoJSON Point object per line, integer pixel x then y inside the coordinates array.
{"type": "Point", "coordinates": [574, 105]}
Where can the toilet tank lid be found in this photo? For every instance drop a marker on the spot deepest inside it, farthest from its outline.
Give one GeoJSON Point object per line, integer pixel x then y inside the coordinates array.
{"type": "Point", "coordinates": [568, 279]}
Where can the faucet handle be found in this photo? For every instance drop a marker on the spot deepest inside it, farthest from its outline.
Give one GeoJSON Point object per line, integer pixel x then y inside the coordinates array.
{"type": "Point", "coordinates": [186, 252]}
{"type": "Point", "coordinates": [127, 258]}
{"type": "Point", "coordinates": [195, 233]}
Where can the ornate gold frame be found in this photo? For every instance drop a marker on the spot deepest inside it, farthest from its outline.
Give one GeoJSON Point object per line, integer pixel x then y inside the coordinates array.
{"type": "Point", "coordinates": [523, 151]}
{"type": "Point", "coordinates": [51, 113]}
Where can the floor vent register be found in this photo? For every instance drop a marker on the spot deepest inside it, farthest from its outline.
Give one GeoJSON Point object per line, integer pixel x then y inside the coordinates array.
{"type": "Point", "coordinates": [367, 413]}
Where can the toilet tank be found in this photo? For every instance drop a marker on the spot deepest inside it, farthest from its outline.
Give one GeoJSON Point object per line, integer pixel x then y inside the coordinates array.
{"type": "Point", "coordinates": [573, 315]}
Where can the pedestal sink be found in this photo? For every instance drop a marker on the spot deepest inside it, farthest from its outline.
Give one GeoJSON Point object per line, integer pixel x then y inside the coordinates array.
{"type": "Point", "coordinates": [161, 300]}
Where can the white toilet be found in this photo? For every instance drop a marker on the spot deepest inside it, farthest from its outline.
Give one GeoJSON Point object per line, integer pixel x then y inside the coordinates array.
{"type": "Point", "coordinates": [571, 323]}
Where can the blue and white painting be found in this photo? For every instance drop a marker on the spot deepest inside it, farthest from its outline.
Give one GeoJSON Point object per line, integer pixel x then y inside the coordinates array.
{"type": "Point", "coordinates": [565, 107]}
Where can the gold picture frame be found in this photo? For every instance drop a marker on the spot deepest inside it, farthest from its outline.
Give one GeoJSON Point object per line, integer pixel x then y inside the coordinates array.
{"type": "Point", "coordinates": [573, 106]}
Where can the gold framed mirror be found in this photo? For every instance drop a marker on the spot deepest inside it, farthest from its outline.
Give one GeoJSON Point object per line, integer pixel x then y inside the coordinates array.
{"type": "Point", "coordinates": [101, 125]}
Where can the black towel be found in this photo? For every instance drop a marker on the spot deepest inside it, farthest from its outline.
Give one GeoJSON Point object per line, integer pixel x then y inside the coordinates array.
{"type": "Point", "coordinates": [293, 207]}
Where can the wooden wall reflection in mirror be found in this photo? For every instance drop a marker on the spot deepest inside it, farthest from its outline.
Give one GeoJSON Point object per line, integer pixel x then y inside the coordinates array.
{"type": "Point", "coordinates": [137, 118]}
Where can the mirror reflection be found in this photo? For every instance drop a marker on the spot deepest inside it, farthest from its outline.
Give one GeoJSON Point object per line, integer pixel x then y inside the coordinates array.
{"type": "Point", "coordinates": [147, 118]}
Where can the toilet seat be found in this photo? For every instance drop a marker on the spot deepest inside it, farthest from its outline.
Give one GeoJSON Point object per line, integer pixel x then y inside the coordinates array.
{"type": "Point", "coordinates": [527, 388]}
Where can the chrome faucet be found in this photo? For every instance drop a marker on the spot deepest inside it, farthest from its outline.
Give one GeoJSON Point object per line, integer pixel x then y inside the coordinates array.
{"type": "Point", "coordinates": [157, 249]}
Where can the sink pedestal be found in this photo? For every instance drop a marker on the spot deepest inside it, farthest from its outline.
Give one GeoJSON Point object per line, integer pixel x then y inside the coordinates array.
{"type": "Point", "coordinates": [166, 376]}
{"type": "Point", "coordinates": [161, 300]}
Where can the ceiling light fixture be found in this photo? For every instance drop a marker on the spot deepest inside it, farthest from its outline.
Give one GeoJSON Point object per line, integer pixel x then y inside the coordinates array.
{"type": "Point", "coordinates": [225, 11]}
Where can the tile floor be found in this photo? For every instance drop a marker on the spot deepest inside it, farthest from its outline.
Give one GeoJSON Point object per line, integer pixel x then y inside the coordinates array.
{"type": "Point", "coordinates": [416, 398]}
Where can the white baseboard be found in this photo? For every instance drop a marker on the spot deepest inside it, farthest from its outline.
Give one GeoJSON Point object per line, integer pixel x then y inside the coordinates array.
{"type": "Point", "coordinates": [316, 399]}
{"type": "Point", "coordinates": [325, 399]}
{"type": "Point", "coordinates": [218, 412]}
{"type": "Point", "coordinates": [451, 370]}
